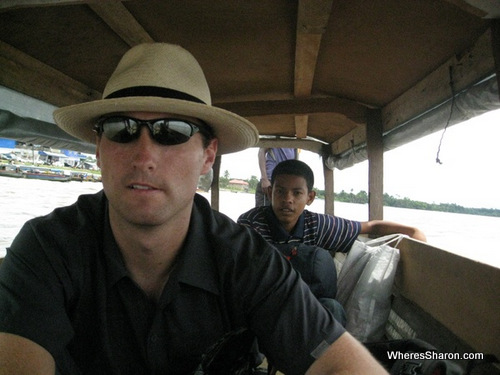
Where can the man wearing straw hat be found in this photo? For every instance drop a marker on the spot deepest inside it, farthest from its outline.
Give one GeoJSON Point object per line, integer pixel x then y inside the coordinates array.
{"type": "Point", "coordinates": [142, 278]}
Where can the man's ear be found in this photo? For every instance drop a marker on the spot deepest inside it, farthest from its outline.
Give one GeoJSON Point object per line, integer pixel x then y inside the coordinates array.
{"type": "Point", "coordinates": [210, 155]}
{"type": "Point", "coordinates": [97, 151]}
{"type": "Point", "coordinates": [311, 195]}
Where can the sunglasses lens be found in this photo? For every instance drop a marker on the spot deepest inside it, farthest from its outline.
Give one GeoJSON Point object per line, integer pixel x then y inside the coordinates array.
{"type": "Point", "coordinates": [172, 132]}
{"type": "Point", "coordinates": [120, 130]}
{"type": "Point", "coordinates": [163, 131]}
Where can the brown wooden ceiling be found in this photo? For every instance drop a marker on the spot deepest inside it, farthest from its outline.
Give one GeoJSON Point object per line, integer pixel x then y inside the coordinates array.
{"type": "Point", "coordinates": [307, 68]}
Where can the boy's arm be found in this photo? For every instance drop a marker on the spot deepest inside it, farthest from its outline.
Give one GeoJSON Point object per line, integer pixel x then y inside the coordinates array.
{"type": "Point", "coordinates": [382, 227]}
{"type": "Point", "coordinates": [346, 356]}
{"type": "Point", "coordinates": [21, 356]}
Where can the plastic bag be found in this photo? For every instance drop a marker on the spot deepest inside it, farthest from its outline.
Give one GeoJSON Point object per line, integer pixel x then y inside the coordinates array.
{"type": "Point", "coordinates": [365, 285]}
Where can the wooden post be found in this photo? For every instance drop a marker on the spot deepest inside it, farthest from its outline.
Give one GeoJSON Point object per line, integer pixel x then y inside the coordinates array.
{"type": "Point", "coordinates": [329, 187]}
{"type": "Point", "coordinates": [375, 149]}
{"type": "Point", "coordinates": [495, 47]}
{"type": "Point", "coordinates": [214, 200]}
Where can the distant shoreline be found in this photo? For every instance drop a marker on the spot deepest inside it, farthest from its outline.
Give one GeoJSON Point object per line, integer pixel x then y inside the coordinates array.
{"type": "Point", "coordinates": [390, 201]}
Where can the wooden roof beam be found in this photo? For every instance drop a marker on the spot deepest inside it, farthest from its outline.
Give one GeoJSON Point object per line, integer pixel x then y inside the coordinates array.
{"type": "Point", "coordinates": [301, 123]}
{"type": "Point", "coordinates": [495, 44]}
{"type": "Point", "coordinates": [27, 75]}
{"type": "Point", "coordinates": [433, 90]}
{"type": "Point", "coordinates": [478, 8]}
{"type": "Point", "coordinates": [121, 21]}
{"type": "Point", "coordinates": [306, 55]}
{"type": "Point", "coordinates": [112, 12]}
{"type": "Point", "coordinates": [297, 106]}
{"type": "Point", "coordinates": [312, 20]}
{"type": "Point", "coordinates": [303, 144]}
{"type": "Point", "coordinates": [476, 61]}
{"type": "Point", "coordinates": [13, 4]}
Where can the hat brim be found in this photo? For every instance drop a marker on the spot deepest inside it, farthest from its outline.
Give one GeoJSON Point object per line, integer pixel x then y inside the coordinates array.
{"type": "Point", "coordinates": [234, 132]}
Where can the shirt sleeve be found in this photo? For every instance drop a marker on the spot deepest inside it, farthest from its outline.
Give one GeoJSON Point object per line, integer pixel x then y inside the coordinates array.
{"type": "Point", "coordinates": [335, 233]}
{"type": "Point", "coordinates": [32, 296]}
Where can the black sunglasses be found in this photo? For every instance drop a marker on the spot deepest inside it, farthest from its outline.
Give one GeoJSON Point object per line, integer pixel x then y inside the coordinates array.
{"type": "Point", "coordinates": [165, 131]}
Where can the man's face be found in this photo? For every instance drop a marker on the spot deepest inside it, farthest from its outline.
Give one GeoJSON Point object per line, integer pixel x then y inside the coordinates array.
{"type": "Point", "coordinates": [149, 184]}
{"type": "Point", "coordinates": [289, 198]}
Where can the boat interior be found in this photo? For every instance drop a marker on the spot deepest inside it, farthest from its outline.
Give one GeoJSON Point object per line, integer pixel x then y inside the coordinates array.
{"type": "Point", "coordinates": [345, 79]}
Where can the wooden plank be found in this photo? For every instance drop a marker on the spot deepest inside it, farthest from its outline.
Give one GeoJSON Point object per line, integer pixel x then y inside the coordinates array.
{"type": "Point", "coordinates": [306, 55]}
{"type": "Point", "coordinates": [479, 8]}
{"type": "Point", "coordinates": [355, 137]}
{"type": "Point", "coordinates": [460, 293]}
{"type": "Point", "coordinates": [121, 21]}
{"type": "Point", "coordinates": [313, 16]}
{"type": "Point", "coordinates": [303, 144]}
{"type": "Point", "coordinates": [29, 76]}
{"type": "Point", "coordinates": [297, 106]}
{"type": "Point", "coordinates": [375, 149]}
{"type": "Point", "coordinates": [312, 21]}
{"type": "Point", "coordinates": [435, 89]}
{"type": "Point", "coordinates": [301, 126]}
{"type": "Point", "coordinates": [495, 45]}
{"type": "Point", "coordinates": [408, 320]}
{"type": "Point", "coordinates": [467, 7]}
{"type": "Point", "coordinates": [13, 4]}
{"type": "Point", "coordinates": [329, 189]}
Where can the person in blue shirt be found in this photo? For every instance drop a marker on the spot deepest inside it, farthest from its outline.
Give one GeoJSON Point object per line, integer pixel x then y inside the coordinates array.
{"type": "Point", "coordinates": [269, 158]}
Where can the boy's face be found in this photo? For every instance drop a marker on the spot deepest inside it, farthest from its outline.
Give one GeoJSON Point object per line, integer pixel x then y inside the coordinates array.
{"type": "Point", "coordinates": [289, 198]}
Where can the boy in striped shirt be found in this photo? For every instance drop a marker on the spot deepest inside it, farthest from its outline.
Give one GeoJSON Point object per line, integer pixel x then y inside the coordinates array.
{"type": "Point", "coordinates": [287, 220]}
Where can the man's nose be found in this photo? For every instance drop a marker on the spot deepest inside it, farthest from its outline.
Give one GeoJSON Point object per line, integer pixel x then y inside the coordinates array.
{"type": "Point", "coordinates": [144, 150]}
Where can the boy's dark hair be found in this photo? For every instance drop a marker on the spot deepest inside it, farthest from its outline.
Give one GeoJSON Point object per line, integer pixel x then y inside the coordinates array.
{"type": "Point", "coordinates": [295, 168]}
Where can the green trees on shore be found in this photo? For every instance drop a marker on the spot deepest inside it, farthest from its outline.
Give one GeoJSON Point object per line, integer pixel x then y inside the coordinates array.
{"type": "Point", "coordinates": [390, 201]}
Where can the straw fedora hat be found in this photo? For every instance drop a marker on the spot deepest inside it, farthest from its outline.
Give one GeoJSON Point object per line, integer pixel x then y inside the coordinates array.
{"type": "Point", "coordinates": [159, 77]}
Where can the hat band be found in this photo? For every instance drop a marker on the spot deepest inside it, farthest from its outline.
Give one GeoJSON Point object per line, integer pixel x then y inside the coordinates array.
{"type": "Point", "coordinates": [153, 91]}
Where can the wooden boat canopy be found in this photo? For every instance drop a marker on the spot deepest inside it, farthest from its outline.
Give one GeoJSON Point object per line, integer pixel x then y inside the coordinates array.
{"type": "Point", "coordinates": [309, 70]}
{"type": "Point", "coordinates": [334, 77]}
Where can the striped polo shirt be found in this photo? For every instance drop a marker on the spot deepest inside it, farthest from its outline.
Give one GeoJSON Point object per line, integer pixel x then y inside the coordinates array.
{"type": "Point", "coordinates": [326, 231]}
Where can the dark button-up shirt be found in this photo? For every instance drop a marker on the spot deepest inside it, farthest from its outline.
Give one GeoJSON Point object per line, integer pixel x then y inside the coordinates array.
{"type": "Point", "coordinates": [64, 285]}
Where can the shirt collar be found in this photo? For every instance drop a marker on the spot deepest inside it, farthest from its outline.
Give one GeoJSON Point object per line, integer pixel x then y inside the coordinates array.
{"type": "Point", "coordinates": [278, 233]}
{"type": "Point", "coordinates": [115, 265]}
{"type": "Point", "coordinates": [195, 263]}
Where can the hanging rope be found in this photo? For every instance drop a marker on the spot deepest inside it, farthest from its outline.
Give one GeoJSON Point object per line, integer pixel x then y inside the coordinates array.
{"type": "Point", "coordinates": [452, 86]}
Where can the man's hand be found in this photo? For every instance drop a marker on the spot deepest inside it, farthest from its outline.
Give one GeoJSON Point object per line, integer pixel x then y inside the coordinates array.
{"type": "Point", "coordinates": [20, 356]}
{"type": "Point", "coordinates": [346, 356]}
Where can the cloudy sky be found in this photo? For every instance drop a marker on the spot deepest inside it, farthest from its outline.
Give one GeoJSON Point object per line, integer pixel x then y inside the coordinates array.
{"type": "Point", "coordinates": [468, 176]}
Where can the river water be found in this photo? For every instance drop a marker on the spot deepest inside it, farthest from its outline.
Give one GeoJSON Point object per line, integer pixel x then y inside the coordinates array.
{"type": "Point", "coordinates": [476, 237]}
